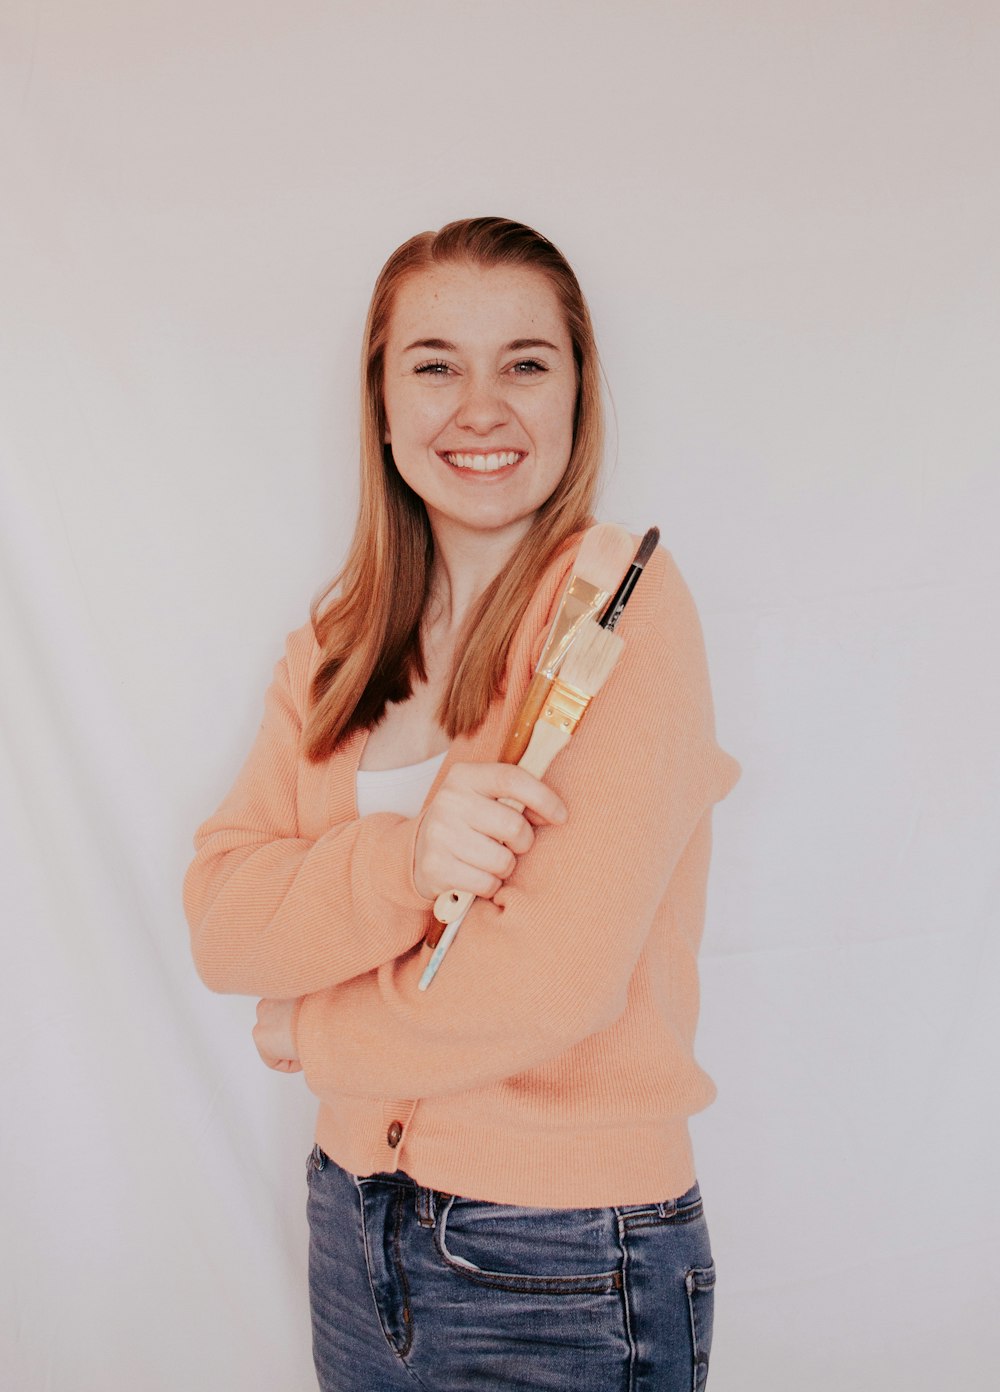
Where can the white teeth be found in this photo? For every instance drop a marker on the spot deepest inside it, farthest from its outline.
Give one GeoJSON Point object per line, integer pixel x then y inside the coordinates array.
{"type": "Point", "coordinates": [484, 463]}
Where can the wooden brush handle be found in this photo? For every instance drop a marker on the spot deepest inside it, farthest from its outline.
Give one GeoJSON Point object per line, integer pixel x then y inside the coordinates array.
{"type": "Point", "coordinates": [449, 905]}
{"type": "Point", "coordinates": [545, 743]}
{"type": "Point", "coordinates": [531, 708]}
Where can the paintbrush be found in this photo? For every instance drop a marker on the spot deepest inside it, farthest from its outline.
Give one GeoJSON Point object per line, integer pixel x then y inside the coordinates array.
{"type": "Point", "coordinates": [584, 670]}
{"type": "Point", "coordinates": [609, 619]}
{"type": "Point", "coordinates": [600, 562]}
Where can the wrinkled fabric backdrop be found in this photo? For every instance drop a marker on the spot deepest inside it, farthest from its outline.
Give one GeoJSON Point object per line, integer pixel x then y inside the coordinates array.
{"type": "Point", "coordinates": [786, 220]}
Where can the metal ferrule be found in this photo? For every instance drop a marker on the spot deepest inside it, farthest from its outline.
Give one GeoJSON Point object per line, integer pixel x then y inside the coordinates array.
{"type": "Point", "coordinates": [565, 706]}
{"type": "Point", "coordinates": [582, 601]}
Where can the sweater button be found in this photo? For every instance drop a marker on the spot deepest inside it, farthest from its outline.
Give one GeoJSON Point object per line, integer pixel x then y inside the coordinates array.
{"type": "Point", "coordinates": [394, 1134]}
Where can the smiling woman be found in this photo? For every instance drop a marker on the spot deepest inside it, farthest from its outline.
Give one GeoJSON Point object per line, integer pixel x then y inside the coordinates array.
{"type": "Point", "coordinates": [502, 1191]}
{"type": "Point", "coordinates": [478, 340]}
{"type": "Point", "coordinates": [483, 430]}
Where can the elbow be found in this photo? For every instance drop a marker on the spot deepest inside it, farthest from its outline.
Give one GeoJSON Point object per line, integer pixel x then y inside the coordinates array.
{"type": "Point", "coordinates": [212, 962]}
{"type": "Point", "coordinates": [213, 970]}
{"type": "Point", "coordinates": [237, 968]}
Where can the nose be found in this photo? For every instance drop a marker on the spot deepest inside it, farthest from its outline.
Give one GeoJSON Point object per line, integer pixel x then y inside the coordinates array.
{"type": "Point", "coordinates": [482, 407]}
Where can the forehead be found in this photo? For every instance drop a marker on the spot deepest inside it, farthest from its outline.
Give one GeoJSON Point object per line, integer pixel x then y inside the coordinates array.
{"type": "Point", "coordinates": [462, 303]}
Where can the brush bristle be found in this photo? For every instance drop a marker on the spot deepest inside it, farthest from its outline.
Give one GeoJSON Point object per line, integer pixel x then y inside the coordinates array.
{"type": "Point", "coordinates": [647, 546]}
{"type": "Point", "coordinates": [590, 659]}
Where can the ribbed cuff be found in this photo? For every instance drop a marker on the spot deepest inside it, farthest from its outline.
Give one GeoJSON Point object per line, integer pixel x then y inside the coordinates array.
{"type": "Point", "coordinates": [390, 867]}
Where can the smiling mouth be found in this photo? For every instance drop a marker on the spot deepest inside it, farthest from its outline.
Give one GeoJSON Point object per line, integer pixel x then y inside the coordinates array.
{"type": "Point", "coordinates": [483, 463]}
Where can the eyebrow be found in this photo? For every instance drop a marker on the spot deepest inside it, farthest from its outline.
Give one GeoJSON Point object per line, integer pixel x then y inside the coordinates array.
{"type": "Point", "coordinates": [517, 345]}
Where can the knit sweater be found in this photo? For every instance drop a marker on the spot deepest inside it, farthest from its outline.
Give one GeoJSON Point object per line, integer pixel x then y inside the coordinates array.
{"type": "Point", "coordinates": [551, 1061]}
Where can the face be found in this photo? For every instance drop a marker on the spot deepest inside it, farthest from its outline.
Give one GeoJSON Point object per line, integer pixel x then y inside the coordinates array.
{"type": "Point", "coordinates": [480, 392]}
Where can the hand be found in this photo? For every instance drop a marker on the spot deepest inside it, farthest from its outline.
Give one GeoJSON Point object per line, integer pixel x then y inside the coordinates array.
{"type": "Point", "coordinates": [272, 1035]}
{"type": "Point", "coordinates": [468, 840]}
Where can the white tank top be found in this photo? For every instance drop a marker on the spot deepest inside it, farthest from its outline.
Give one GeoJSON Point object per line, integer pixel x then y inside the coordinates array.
{"type": "Point", "coordinates": [397, 790]}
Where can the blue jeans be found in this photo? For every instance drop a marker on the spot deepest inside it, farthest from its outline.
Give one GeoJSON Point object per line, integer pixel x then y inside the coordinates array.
{"type": "Point", "coordinates": [414, 1289]}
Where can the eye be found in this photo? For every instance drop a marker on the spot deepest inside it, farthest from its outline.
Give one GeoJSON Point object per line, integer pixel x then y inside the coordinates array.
{"type": "Point", "coordinates": [529, 367]}
{"type": "Point", "coordinates": [433, 369]}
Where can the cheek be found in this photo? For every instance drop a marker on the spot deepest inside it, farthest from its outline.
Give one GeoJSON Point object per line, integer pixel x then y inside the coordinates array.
{"type": "Point", "coordinates": [559, 423]}
{"type": "Point", "coordinates": [417, 421]}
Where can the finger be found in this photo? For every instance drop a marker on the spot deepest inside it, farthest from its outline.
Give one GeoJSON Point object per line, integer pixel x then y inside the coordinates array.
{"type": "Point", "coordinates": [502, 823]}
{"type": "Point", "coordinates": [495, 781]}
{"type": "Point", "coordinates": [481, 852]}
{"type": "Point", "coordinates": [521, 836]}
{"type": "Point", "coordinates": [511, 781]}
{"type": "Point", "coordinates": [466, 879]}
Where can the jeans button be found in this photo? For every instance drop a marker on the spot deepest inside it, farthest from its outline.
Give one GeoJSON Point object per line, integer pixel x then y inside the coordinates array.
{"type": "Point", "coordinates": [394, 1134]}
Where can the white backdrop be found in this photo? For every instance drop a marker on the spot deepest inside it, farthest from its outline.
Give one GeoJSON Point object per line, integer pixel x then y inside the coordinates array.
{"type": "Point", "coordinates": [786, 218]}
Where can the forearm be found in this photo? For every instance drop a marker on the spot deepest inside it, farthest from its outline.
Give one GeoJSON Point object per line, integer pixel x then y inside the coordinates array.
{"type": "Point", "coordinates": [282, 917]}
{"type": "Point", "coordinates": [274, 912]}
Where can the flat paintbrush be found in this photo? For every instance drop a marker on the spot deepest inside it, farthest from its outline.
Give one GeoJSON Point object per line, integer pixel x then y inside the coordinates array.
{"type": "Point", "coordinates": [585, 669]}
{"type": "Point", "coordinates": [600, 562]}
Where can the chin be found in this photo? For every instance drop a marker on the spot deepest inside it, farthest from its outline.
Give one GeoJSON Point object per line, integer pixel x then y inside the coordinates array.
{"type": "Point", "coordinates": [486, 522]}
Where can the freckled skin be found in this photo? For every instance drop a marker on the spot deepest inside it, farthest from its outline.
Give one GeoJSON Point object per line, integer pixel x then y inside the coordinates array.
{"type": "Point", "coordinates": [480, 396]}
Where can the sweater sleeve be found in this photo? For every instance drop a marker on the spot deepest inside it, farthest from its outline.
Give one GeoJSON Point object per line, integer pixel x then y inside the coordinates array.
{"type": "Point", "coordinates": [547, 962]}
{"type": "Point", "coordinates": [273, 912]}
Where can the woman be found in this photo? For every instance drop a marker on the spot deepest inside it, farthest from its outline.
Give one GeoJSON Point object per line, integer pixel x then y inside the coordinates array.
{"type": "Point", "coordinates": [502, 1192]}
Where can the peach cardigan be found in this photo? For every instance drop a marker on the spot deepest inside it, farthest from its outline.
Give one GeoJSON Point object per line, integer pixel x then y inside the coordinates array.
{"type": "Point", "coordinates": [551, 1062]}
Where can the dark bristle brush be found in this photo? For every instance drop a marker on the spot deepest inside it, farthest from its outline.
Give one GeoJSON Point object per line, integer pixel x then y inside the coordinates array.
{"type": "Point", "coordinates": [620, 598]}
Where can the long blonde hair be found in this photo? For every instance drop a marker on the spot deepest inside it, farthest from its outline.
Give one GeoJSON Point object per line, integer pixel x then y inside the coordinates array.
{"type": "Point", "coordinates": [369, 632]}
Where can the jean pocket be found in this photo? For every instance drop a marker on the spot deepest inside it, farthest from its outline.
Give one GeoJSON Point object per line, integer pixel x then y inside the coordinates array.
{"type": "Point", "coordinates": [553, 1250]}
{"type": "Point", "coordinates": [699, 1282]}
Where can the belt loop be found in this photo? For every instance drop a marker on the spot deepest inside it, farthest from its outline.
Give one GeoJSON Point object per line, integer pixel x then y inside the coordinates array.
{"type": "Point", "coordinates": [425, 1206]}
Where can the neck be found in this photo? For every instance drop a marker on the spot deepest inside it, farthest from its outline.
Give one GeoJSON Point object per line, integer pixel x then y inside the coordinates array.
{"type": "Point", "coordinates": [464, 564]}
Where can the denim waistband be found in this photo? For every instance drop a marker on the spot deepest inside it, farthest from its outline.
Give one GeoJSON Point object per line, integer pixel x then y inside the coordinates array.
{"type": "Point", "coordinates": [427, 1199]}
